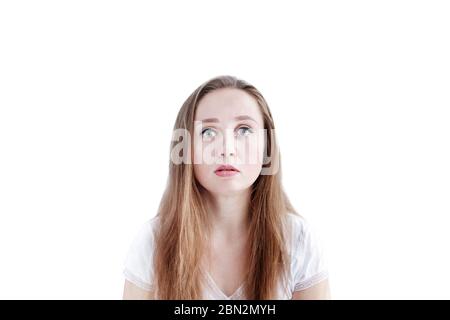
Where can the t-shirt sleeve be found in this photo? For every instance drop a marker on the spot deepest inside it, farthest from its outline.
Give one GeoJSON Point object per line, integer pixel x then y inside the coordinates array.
{"type": "Point", "coordinates": [310, 266]}
{"type": "Point", "coordinates": [138, 264]}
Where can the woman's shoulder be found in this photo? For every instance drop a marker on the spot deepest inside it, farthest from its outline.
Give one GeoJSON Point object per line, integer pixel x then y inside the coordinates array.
{"type": "Point", "coordinates": [298, 223]}
{"type": "Point", "coordinates": [138, 264]}
{"type": "Point", "coordinates": [308, 265]}
{"type": "Point", "coordinates": [145, 235]}
{"type": "Point", "coordinates": [151, 223]}
{"type": "Point", "coordinates": [301, 232]}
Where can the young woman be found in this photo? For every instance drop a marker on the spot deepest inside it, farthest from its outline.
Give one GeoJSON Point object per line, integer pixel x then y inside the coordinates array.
{"type": "Point", "coordinates": [225, 228]}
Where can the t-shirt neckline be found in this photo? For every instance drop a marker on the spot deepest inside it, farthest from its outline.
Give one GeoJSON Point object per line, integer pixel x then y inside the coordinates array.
{"type": "Point", "coordinates": [214, 285]}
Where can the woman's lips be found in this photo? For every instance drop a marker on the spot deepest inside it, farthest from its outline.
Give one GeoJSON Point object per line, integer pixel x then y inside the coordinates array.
{"type": "Point", "coordinates": [226, 171]}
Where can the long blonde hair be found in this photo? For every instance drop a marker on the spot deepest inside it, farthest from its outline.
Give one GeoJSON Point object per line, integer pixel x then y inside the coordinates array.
{"type": "Point", "coordinates": [181, 238]}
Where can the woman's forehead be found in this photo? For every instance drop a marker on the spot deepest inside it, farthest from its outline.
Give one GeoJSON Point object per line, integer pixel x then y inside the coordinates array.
{"type": "Point", "coordinates": [227, 105]}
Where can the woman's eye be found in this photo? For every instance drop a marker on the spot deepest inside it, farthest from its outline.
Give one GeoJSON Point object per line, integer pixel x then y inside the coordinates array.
{"type": "Point", "coordinates": [208, 133]}
{"type": "Point", "coordinates": [244, 131]}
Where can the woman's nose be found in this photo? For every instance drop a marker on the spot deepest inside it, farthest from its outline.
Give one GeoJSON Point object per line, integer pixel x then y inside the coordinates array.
{"type": "Point", "coordinates": [228, 144]}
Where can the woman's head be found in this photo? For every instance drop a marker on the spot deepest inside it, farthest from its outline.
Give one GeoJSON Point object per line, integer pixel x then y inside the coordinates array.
{"type": "Point", "coordinates": [225, 121]}
{"type": "Point", "coordinates": [229, 123]}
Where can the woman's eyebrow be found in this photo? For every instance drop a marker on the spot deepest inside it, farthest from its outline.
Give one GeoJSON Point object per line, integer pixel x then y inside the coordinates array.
{"type": "Point", "coordinates": [244, 117]}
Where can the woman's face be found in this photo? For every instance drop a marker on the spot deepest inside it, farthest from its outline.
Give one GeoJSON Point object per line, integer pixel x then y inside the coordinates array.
{"type": "Point", "coordinates": [228, 131]}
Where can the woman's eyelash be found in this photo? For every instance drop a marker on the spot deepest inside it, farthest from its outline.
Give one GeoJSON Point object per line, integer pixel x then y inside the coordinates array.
{"type": "Point", "coordinates": [239, 128]}
{"type": "Point", "coordinates": [204, 130]}
{"type": "Point", "coordinates": [248, 129]}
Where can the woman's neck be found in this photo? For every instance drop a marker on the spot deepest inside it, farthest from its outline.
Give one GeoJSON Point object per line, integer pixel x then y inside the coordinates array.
{"type": "Point", "coordinates": [229, 215]}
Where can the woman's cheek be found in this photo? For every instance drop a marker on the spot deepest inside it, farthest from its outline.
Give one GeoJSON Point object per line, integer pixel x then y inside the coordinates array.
{"type": "Point", "coordinates": [249, 152]}
{"type": "Point", "coordinates": [197, 154]}
{"type": "Point", "coordinates": [202, 174]}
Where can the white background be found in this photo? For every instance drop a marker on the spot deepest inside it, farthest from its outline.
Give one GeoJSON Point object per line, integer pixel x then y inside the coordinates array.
{"type": "Point", "coordinates": [89, 92]}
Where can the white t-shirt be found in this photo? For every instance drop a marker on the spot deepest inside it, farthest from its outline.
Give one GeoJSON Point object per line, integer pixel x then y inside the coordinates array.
{"type": "Point", "coordinates": [308, 264]}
